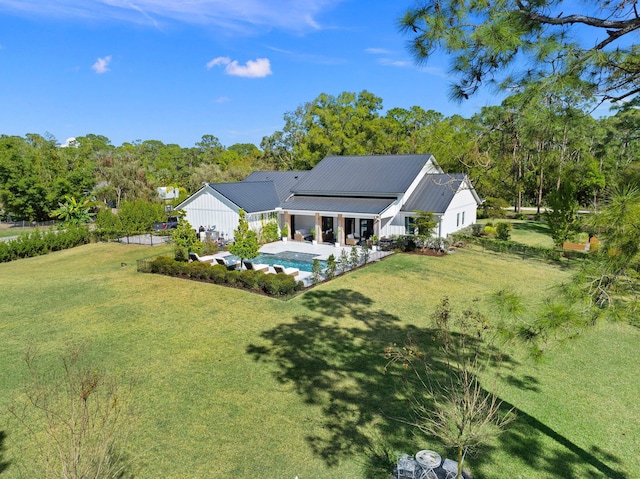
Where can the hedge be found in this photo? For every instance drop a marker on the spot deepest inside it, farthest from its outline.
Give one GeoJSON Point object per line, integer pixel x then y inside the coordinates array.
{"type": "Point", "coordinates": [38, 242]}
{"type": "Point", "coordinates": [519, 249]}
{"type": "Point", "coordinates": [271, 284]}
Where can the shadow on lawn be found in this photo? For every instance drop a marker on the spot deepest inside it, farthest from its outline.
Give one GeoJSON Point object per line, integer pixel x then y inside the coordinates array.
{"type": "Point", "coordinates": [3, 465]}
{"type": "Point", "coordinates": [522, 439]}
{"type": "Point", "coordinates": [334, 358]}
{"type": "Point", "coordinates": [532, 227]}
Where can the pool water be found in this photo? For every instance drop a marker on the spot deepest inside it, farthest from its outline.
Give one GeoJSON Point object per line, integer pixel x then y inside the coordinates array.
{"type": "Point", "coordinates": [288, 259]}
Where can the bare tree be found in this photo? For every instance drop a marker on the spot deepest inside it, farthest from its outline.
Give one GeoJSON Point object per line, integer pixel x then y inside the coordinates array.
{"type": "Point", "coordinates": [78, 420]}
{"type": "Point", "coordinates": [452, 405]}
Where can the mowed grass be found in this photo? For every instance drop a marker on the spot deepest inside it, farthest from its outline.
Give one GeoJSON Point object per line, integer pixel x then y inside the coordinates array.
{"type": "Point", "coordinates": [530, 233]}
{"type": "Point", "coordinates": [233, 384]}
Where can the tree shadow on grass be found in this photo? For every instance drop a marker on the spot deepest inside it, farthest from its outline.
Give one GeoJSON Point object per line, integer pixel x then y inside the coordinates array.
{"type": "Point", "coordinates": [4, 465]}
{"type": "Point", "coordinates": [334, 358]}
{"type": "Point", "coordinates": [533, 227]}
{"type": "Point", "coordinates": [524, 439]}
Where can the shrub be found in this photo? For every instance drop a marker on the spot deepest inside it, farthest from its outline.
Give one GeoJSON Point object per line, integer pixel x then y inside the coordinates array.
{"type": "Point", "coordinates": [233, 277]}
{"type": "Point", "coordinates": [250, 279]}
{"type": "Point", "coordinates": [270, 232]}
{"type": "Point", "coordinates": [218, 274]}
{"type": "Point", "coordinates": [503, 231]}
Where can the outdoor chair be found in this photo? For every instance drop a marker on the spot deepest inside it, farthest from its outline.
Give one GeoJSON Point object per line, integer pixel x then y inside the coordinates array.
{"type": "Point", "coordinates": [228, 265]}
{"type": "Point", "coordinates": [200, 259]}
{"type": "Point", "coordinates": [281, 269]}
{"type": "Point", "coordinates": [406, 467]}
{"type": "Point", "coordinates": [451, 468]}
{"type": "Point", "coordinates": [256, 266]}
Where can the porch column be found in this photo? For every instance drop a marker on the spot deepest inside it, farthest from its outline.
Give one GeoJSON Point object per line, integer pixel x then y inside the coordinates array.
{"type": "Point", "coordinates": [287, 221]}
{"type": "Point", "coordinates": [340, 230]}
{"type": "Point", "coordinates": [318, 228]}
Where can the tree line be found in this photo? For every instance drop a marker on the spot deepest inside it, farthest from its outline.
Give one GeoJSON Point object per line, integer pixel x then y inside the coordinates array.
{"type": "Point", "coordinates": [522, 151]}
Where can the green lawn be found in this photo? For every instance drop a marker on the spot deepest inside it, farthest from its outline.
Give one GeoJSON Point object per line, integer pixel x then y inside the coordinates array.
{"type": "Point", "coordinates": [233, 384]}
{"type": "Point", "coordinates": [530, 233]}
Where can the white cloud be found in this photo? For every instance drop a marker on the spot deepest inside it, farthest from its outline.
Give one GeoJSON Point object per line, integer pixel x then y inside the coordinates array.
{"type": "Point", "coordinates": [101, 65]}
{"type": "Point", "coordinates": [258, 68]}
{"type": "Point", "coordinates": [71, 141]}
{"type": "Point", "coordinates": [218, 61]}
{"type": "Point", "coordinates": [223, 99]}
{"type": "Point", "coordinates": [236, 15]}
{"type": "Point", "coordinates": [377, 51]}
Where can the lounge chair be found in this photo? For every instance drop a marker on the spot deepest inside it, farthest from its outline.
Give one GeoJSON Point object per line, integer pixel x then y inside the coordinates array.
{"type": "Point", "coordinates": [281, 269]}
{"type": "Point", "coordinates": [201, 259]}
{"type": "Point", "coordinates": [256, 266]}
{"type": "Point", "coordinates": [227, 264]}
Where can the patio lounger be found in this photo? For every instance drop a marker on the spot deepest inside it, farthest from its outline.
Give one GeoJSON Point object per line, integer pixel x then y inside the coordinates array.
{"type": "Point", "coordinates": [256, 266]}
{"type": "Point", "coordinates": [281, 269]}
{"type": "Point", "coordinates": [228, 265]}
{"type": "Point", "coordinates": [201, 259]}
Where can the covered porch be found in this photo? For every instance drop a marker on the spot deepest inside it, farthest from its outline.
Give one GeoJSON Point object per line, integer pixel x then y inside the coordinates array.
{"type": "Point", "coordinates": [345, 221]}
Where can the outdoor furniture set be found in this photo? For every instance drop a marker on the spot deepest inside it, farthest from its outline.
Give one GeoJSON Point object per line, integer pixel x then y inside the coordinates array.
{"type": "Point", "coordinates": [427, 464]}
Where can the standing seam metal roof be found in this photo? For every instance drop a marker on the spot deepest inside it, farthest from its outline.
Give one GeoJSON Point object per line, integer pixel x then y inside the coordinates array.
{"type": "Point", "coordinates": [251, 196]}
{"type": "Point", "coordinates": [340, 205]}
{"type": "Point", "coordinates": [282, 180]}
{"type": "Point", "coordinates": [434, 193]}
{"type": "Point", "coordinates": [373, 175]}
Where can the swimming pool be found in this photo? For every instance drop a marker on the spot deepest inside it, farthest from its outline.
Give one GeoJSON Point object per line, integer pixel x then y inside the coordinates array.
{"type": "Point", "coordinates": [288, 259]}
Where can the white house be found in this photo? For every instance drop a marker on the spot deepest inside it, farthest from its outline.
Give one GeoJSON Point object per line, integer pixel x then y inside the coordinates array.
{"type": "Point", "coordinates": [343, 198]}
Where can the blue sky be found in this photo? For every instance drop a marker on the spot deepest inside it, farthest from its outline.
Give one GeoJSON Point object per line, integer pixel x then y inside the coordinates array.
{"type": "Point", "coordinates": [174, 70]}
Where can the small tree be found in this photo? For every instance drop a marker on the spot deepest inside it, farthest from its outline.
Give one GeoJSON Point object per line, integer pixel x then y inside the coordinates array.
{"type": "Point", "coordinates": [185, 239]}
{"type": "Point", "coordinates": [108, 224]}
{"type": "Point", "coordinates": [78, 418]}
{"type": "Point", "coordinates": [245, 240]}
{"type": "Point", "coordinates": [344, 260]}
{"type": "Point", "coordinates": [285, 231]}
{"type": "Point", "coordinates": [316, 271]}
{"type": "Point", "coordinates": [354, 258]}
{"type": "Point", "coordinates": [424, 224]}
{"type": "Point", "coordinates": [456, 408]}
{"type": "Point", "coordinates": [331, 267]}
{"type": "Point", "coordinates": [562, 213]}
{"type": "Point", "coordinates": [365, 253]}
{"type": "Point", "coordinates": [503, 231]}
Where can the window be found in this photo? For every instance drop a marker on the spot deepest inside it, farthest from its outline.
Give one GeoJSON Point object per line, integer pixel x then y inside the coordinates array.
{"type": "Point", "coordinates": [463, 217]}
{"type": "Point", "coordinates": [409, 225]}
{"type": "Point", "coordinates": [458, 219]}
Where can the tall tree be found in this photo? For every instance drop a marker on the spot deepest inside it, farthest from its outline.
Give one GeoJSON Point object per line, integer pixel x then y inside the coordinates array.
{"type": "Point", "coordinates": [543, 41]}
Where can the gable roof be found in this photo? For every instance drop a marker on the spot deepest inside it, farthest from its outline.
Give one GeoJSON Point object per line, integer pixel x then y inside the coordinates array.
{"type": "Point", "coordinates": [283, 181]}
{"type": "Point", "coordinates": [435, 192]}
{"type": "Point", "coordinates": [371, 175]}
{"type": "Point", "coordinates": [251, 196]}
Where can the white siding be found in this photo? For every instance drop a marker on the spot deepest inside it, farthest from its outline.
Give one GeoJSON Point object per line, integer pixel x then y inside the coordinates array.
{"type": "Point", "coordinates": [461, 212]}
{"type": "Point", "coordinates": [209, 209]}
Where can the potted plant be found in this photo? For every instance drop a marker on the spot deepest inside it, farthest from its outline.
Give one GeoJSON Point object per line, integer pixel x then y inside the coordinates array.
{"type": "Point", "coordinates": [284, 232]}
{"type": "Point", "coordinates": [313, 233]}
{"type": "Point", "coordinates": [374, 243]}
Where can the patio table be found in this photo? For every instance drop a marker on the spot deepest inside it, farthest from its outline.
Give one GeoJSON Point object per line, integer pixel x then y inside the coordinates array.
{"type": "Point", "coordinates": [428, 461]}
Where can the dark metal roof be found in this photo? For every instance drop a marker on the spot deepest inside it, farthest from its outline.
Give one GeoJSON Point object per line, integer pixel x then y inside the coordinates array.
{"type": "Point", "coordinates": [282, 180]}
{"type": "Point", "coordinates": [373, 175]}
{"type": "Point", "coordinates": [434, 193]}
{"type": "Point", "coordinates": [251, 196]}
{"type": "Point", "coordinates": [339, 205]}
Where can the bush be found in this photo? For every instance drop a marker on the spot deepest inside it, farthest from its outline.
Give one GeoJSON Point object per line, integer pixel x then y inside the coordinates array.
{"type": "Point", "coordinates": [250, 279]}
{"type": "Point", "coordinates": [503, 231]}
{"type": "Point", "coordinates": [39, 243]}
{"type": "Point", "coordinates": [270, 232]}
